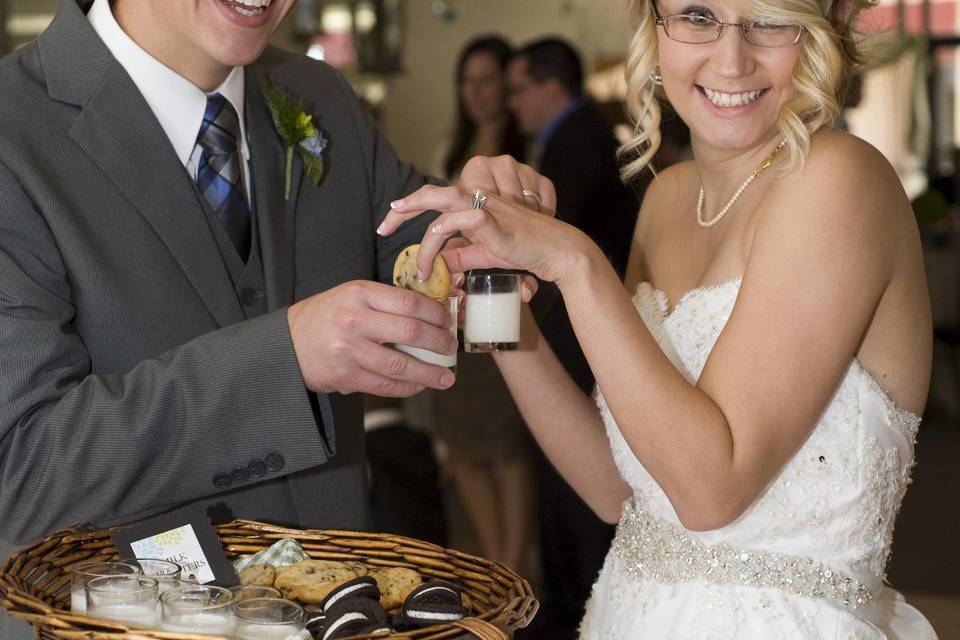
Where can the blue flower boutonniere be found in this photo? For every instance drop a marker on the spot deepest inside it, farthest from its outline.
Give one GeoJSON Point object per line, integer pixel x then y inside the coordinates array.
{"type": "Point", "coordinates": [298, 133]}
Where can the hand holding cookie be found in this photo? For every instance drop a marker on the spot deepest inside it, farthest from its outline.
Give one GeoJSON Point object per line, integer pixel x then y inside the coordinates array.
{"type": "Point", "coordinates": [340, 340]}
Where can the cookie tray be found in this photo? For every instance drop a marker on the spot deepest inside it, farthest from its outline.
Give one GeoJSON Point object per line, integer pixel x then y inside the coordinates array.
{"type": "Point", "coordinates": [35, 581]}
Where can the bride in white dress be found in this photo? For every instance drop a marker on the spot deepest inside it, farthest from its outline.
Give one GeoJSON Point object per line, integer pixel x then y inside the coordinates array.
{"type": "Point", "coordinates": [755, 434]}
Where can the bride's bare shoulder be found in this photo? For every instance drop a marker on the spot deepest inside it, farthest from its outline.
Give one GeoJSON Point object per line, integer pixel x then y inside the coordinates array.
{"type": "Point", "coordinates": [845, 175]}
{"type": "Point", "coordinates": [839, 158]}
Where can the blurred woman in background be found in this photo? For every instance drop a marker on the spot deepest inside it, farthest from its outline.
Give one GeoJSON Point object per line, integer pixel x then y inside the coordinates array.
{"type": "Point", "coordinates": [485, 443]}
{"type": "Point", "coordinates": [484, 125]}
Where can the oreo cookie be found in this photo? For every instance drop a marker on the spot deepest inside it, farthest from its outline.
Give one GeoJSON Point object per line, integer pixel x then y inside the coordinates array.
{"type": "Point", "coordinates": [362, 587]}
{"type": "Point", "coordinates": [350, 623]}
{"type": "Point", "coordinates": [349, 616]}
{"type": "Point", "coordinates": [435, 602]}
{"type": "Point", "coordinates": [370, 608]}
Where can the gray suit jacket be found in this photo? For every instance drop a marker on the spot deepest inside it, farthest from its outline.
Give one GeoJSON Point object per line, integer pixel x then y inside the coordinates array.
{"type": "Point", "coordinates": [130, 377]}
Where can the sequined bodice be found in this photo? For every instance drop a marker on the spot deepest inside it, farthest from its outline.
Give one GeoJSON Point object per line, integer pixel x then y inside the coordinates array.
{"type": "Point", "coordinates": [837, 499]}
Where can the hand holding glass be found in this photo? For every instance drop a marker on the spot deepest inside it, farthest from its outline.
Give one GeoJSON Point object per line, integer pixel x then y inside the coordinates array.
{"type": "Point", "coordinates": [449, 360]}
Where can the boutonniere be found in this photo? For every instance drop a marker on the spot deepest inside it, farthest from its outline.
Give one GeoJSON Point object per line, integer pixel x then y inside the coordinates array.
{"type": "Point", "coordinates": [299, 134]}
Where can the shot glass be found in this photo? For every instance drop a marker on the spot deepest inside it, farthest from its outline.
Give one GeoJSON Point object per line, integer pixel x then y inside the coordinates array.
{"type": "Point", "coordinates": [268, 619]}
{"type": "Point", "coordinates": [83, 572]}
{"type": "Point", "coordinates": [197, 609]}
{"type": "Point", "coordinates": [243, 592]}
{"type": "Point", "coordinates": [443, 359]}
{"type": "Point", "coordinates": [130, 599]}
{"type": "Point", "coordinates": [168, 574]}
{"type": "Point", "coordinates": [493, 311]}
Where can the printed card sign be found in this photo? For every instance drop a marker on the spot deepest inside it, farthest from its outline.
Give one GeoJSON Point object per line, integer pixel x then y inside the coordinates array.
{"type": "Point", "coordinates": [178, 545]}
{"type": "Point", "coordinates": [185, 537]}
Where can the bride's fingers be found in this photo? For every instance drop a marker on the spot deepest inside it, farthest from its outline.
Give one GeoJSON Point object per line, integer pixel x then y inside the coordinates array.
{"type": "Point", "coordinates": [528, 288]}
{"type": "Point", "coordinates": [447, 225]}
{"type": "Point", "coordinates": [508, 177]}
{"type": "Point", "coordinates": [548, 195]}
{"type": "Point", "coordinates": [437, 198]}
{"type": "Point", "coordinates": [426, 198]}
{"type": "Point", "coordinates": [474, 256]}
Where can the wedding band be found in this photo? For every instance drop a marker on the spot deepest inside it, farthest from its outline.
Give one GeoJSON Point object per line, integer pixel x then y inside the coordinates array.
{"type": "Point", "coordinates": [479, 199]}
{"type": "Point", "coordinates": [532, 195]}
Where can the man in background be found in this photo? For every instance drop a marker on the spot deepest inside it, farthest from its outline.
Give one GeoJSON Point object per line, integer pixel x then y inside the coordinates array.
{"type": "Point", "coordinates": [576, 149]}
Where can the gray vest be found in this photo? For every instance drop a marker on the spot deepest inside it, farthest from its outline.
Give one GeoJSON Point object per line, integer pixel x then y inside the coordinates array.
{"type": "Point", "coordinates": [248, 279]}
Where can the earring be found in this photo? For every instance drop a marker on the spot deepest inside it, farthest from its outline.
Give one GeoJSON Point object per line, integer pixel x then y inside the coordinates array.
{"type": "Point", "coordinates": [655, 77]}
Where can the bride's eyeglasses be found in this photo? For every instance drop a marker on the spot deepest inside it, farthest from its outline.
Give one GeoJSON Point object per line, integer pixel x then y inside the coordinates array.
{"type": "Point", "coordinates": [692, 28]}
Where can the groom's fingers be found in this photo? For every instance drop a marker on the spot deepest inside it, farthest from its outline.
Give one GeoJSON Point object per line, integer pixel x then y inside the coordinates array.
{"type": "Point", "coordinates": [388, 328]}
{"type": "Point", "coordinates": [402, 302]}
{"type": "Point", "coordinates": [398, 371]}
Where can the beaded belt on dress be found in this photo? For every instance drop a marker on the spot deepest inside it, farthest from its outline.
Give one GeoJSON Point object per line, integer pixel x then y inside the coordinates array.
{"type": "Point", "coordinates": [655, 548]}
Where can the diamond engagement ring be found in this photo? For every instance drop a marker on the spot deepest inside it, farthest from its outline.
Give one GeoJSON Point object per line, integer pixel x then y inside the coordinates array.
{"type": "Point", "coordinates": [479, 199]}
{"type": "Point", "coordinates": [533, 196]}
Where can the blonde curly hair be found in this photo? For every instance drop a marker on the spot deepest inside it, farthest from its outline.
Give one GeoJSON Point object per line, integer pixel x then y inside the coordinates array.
{"type": "Point", "coordinates": [828, 57]}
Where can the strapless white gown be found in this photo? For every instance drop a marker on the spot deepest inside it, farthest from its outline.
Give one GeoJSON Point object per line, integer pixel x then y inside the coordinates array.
{"type": "Point", "coordinates": [805, 561]}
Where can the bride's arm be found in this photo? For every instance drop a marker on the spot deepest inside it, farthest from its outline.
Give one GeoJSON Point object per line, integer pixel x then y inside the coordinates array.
{"type": "Point", "coordinates": [564, 421]}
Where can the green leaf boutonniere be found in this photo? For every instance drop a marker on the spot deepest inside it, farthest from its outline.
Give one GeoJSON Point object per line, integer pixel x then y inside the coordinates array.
{"type": "Point", "coordinates": [298, 133]}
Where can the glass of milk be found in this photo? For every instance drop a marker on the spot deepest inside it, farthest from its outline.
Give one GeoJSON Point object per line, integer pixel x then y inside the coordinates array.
{"type": "Point", "coordinates": [197, 609]}
{"type": "Point", "coordinates": [449, 360]}
{"type": "Point", "coordinates": [493, 311]}
{"type": "Point", "coordinates": [167, 573]}
{"type": "Point", "coordinates": [130, 599]}
{"type": "Point", "coordinates": [268, 619]}
{"type": "Point", "coordinates": [83, 572]}
{"type": "Point", "coordinates": [249, 591]}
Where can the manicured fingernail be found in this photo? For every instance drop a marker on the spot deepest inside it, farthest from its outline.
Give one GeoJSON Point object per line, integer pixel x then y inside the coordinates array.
{"type": "Point", "coordinates": [437, 228]}
{"type": "Point", "coordinates": [380, 229]}
{"type": "Point", "coordinates": [396, 204]}
{"type": "Point", "coordinates": [419, 276]}
{"type": "Point", "coordinates": [447, 380]}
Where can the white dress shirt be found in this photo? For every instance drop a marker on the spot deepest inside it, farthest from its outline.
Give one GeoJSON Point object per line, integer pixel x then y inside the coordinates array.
{"type": "Point", "coordinates": [177, 103]}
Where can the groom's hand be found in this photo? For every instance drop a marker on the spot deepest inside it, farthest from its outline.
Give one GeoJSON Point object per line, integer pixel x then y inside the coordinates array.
{"type": "Point", "coordinates": [339, 337]}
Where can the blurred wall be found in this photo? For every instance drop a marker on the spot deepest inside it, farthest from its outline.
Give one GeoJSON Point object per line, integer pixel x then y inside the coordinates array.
{"type": "Point", "coordinates": [419, 108]}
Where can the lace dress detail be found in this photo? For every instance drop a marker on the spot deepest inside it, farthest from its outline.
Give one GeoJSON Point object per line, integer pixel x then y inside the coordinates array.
{"type": "Point", "coordinates": [806, 560]}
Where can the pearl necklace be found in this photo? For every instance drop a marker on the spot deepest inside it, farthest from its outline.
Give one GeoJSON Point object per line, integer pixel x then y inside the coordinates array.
{"type": "Point", "coordinates": [746, 183]}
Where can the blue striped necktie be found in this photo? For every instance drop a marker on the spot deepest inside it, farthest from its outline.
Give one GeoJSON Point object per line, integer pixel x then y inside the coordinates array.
{"type": "Point", "coordinates": [218, 172]}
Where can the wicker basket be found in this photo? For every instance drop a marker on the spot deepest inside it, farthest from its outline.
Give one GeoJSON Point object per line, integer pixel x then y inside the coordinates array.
{"type": "Point", "coordinates": [35, 582]}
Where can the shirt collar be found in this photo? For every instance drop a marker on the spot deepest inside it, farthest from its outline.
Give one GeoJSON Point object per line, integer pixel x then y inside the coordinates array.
{"type": "Point", "coordinates": [547, 132]}
{"type": "Point", "coordinates": [176, 102]}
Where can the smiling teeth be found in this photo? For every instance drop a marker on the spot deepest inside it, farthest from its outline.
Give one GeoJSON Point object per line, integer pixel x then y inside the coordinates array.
{"type": "Point", "coordinates": [722, 99]}
{"type": "Point", "coordinates": [248, 7]}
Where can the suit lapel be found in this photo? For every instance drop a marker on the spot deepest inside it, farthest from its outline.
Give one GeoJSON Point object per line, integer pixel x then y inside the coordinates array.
{"type": "Point", "coordinates": [120, 134]}
{"type": "Point", "coordinates": [275, 214]}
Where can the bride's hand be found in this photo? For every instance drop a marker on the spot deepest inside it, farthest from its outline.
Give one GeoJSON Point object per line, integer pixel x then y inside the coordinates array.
{"type": "Point", "coordinates": [502, 234]}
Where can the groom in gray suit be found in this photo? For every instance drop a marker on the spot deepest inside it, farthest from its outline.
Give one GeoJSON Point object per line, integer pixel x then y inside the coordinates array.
{"type": "Point", "coordinates": [185, 317]}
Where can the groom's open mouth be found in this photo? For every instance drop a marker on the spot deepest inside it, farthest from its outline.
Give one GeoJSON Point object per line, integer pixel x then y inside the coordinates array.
{"type": "Point", "coordinates": [247, 8]}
